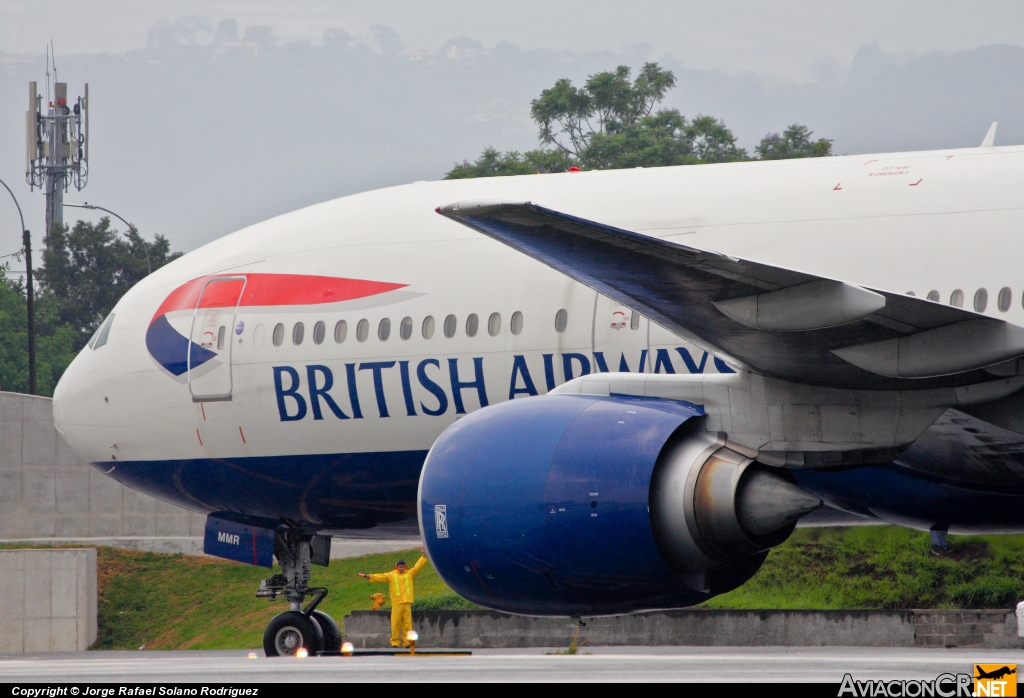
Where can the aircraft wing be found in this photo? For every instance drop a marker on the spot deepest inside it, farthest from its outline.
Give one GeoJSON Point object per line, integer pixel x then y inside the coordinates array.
{"type": "Point", "coordinates": [778, 322]}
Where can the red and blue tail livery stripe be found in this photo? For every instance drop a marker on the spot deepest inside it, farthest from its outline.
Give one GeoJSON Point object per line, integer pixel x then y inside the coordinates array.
{"type": "Point", "coordinates": [176, 352]}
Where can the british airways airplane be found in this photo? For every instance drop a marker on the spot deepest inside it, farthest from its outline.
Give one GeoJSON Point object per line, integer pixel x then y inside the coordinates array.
{"type": "Point", "coordinates": [589, 393]}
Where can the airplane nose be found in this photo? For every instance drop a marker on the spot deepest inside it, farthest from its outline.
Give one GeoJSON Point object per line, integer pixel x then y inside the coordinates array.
{"type": "Point", "coordinates": [91, 406]}
{"type": "Point", "coordinates": [67, 385]}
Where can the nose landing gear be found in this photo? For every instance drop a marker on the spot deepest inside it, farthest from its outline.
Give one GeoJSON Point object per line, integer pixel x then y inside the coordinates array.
{"type": "Point", "coordinates": [298, 628]}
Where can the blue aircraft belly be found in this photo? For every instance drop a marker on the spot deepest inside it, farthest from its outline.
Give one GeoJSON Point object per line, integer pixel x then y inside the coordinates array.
{"type": "Point", "coordinates": [326, 492]}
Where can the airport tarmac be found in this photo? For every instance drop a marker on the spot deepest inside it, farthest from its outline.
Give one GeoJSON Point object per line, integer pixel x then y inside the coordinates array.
{"type": "Point", "coordinates": [597, 665]}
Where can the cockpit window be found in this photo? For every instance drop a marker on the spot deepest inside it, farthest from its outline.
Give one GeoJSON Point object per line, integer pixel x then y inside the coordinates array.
{"type": "Point", "coordinates": [99, 338]}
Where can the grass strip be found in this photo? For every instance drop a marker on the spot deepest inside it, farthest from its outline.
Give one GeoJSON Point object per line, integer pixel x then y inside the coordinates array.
{"type": "Point", "coordinates": [160, 601]}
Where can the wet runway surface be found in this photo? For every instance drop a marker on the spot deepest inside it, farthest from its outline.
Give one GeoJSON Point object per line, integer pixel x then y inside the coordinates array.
{"type": "Point", "coordinates": [243, 669]}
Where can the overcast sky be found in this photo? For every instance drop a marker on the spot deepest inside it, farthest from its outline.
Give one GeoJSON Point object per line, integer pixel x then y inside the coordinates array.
{"type": "Point", "coordinates": [781, 37]}
{"type": "Point", "coordinates": [873, 75]}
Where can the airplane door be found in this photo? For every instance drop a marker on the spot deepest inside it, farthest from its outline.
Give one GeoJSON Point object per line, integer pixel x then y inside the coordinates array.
{"type": "Point", "coordinates": [209, 378]}
{"type": "Point", "coordinates": [620, 338]}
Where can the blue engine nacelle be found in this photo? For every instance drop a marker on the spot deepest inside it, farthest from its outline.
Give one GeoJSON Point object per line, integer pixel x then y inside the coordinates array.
{"type": "Point", "coordinates": [577, 505]}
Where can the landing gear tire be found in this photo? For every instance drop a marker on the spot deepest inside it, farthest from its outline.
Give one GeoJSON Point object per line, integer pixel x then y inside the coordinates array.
{"type": "Point", "coordinates": [332, 636]}
{"type": "Point", "coordinates": [289, 631]}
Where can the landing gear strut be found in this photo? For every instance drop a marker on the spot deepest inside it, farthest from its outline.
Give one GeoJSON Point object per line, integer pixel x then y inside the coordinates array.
{"type": "Point", "coordinates": [298, 628]}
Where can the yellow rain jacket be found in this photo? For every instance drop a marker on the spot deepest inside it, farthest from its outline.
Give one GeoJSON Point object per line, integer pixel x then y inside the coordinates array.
{"type": "Point", "coordinates": [400, 586]}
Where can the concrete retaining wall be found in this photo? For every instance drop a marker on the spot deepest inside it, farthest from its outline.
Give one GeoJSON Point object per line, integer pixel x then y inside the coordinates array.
{"type": "Point", "coordinates": [47, 600]}
{"type": "Point", "coordinates": [48, 495]}
{"type": "Point", "coordinates": [470, 629]}
{"type": "Point", "coordinates": [966, 628]}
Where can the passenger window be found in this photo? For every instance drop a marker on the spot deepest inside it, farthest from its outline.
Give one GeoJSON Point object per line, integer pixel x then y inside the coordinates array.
{"type": "Point", "coordinates": [472, 325]}
{"type": "Point", "coordinates": [517, 322]}
{"type": "Point", "coordinates": [494, 324]}
{"type": "Point", "coordinates": [933, 296]}
{"type": "Point", "coordinates": [384, 329]}
{"type": "Point", "coordinates": [956, 299]}
{"type": "Point", "coordinates": [362, 330]}
{"type": "Point", "coordinates": [1005, 299]}
{"type": "Point", "coordinates": [298, 332]}
{"type": "Point", "coordinates": [634, 320]}
{"type": "Point", "coordinates": [405, 330]}
{"type": "Point", "coordinates": [561, 320]}
{"type": "Point", "coordinates": [278, 334]}
{"type": "Point", "coordinates": [220, 338]}
{"type": "Point", "coordinates": [340, 331]}
{"type": "Point", "coordinates": [980, 300]}
{"type": "Point", "coordinates": [428, 327]}
{"type": "Point", "coordinates": [319, 332]}
{"type": "Point", "coordinates": [449, 326]}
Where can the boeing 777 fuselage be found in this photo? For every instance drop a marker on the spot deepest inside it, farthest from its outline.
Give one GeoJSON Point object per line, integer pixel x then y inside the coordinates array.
{"type": "Point", "coordinates": [749, 342]}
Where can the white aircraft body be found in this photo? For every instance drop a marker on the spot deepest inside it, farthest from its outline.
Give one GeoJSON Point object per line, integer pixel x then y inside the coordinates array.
{"type": "Point", "coordinates": [690, 360]}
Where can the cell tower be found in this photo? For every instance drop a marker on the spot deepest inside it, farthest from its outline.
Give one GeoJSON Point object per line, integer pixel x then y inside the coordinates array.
{"type": "Point", "coordinates": [57, 145]}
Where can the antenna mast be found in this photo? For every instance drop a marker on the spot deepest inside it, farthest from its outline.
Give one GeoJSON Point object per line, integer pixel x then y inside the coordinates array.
{"type": "Point", "coordinates": [57, 144]}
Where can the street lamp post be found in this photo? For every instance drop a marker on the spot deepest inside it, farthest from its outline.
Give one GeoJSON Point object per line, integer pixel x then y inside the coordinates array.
{"type": "Point", "coordinates": [26, 240]}
{"type": "Point", "coordinates": [145, 247]}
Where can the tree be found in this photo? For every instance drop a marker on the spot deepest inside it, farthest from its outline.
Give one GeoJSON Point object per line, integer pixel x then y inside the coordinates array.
{"type": "Point", "coordinates": [184, 33]}
{"type": "Point", "coordinates": [493, 163]}
{"type": "Point", "coordinates": [386, 39]}
{"type": "Point", "coordinates": [337, 39]}
{"type": "Point", "coordinates": [87, 269]}
{"type": "Point", "coordinates": [563, 112]}
{"type": "Point", "coordinates": [661, 139]}
{"type": "Point", "coordinates": [711, 141]}
{"type": "Point", "coordinates": [54, 341]}
{"type": "Point", "coordinates": [611, 123]}
{"type": "Point", "coordinates": [227, 32]}
{"type": "Point", "coordinates": [653, 141]}
{"type": "Point", "coordinates": [795, 142]}
{"type": "Point", "coordinates": [262, 35]}
{"type": "Point", "coordinates": [567, 107]}
{"type": "Point", "coordinates": [13, 336]}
